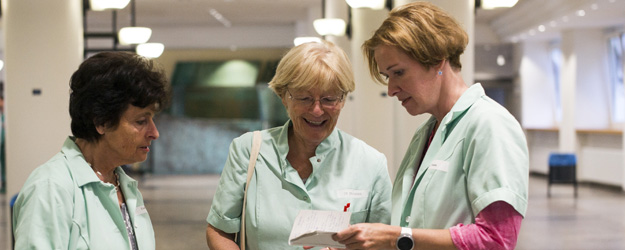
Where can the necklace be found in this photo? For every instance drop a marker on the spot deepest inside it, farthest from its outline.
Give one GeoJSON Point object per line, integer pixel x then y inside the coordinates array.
{"type": "Point", "coordinates": [115, 182]}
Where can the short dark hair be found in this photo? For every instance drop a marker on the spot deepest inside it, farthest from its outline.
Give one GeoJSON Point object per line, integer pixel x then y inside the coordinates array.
{"type": "Point", "coordinates": [106, 84]}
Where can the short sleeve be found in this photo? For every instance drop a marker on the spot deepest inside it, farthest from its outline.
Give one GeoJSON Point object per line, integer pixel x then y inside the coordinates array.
{"type": "Point", "coordinates": [225, 212]}
{"type": "Point", "coordinates": [497, 163]}
{"type": "Point", "coordinates": [42, 216]}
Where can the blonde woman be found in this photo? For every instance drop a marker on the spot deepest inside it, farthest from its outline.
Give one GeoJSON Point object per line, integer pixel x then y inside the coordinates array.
{"type": "Point", "coordinates": [306, 164]}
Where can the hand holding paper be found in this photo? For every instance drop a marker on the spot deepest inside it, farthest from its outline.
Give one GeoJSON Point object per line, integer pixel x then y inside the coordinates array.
{"type": "Point", "coordinates": [316, 227]}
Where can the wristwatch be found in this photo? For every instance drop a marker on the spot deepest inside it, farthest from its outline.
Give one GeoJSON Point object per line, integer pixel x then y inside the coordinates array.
{"type": "Point", "coordinates": [405, 241]}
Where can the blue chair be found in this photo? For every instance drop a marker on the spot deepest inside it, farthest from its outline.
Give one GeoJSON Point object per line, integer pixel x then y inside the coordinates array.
{"type": "Point", "coordinates": [11, 212]}
{"type": "Point", "coordinates": [562, 169]}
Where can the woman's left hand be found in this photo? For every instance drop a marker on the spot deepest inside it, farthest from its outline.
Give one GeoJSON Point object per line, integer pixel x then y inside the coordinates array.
{"type": "Point", "coordinates": [368, 236]}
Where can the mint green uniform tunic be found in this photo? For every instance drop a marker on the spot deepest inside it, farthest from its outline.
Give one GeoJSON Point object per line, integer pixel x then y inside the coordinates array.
{"type": "Point", "coordinates": [477, 156]}
{"type": "Point", "coordinates": [345, 170]}
{"type": "Point", "coordinates": [64, 205]}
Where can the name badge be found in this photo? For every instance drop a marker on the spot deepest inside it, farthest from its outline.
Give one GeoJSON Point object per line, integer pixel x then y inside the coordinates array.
{"type": "Point", "coordinates": [141, 210]}
{"type": "Point", "coordinates": [352, 193]}
{"type": "Point", "coordinates": [440, 165]}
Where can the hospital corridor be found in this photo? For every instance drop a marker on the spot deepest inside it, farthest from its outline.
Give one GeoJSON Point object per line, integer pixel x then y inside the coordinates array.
{"type": "Point", "coordinates": [411, 104]}
{"type": "Point", "coordinates": [178, 205]}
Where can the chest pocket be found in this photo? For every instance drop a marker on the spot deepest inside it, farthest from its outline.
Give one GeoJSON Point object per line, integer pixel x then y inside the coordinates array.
{"type": "Point", "coordinates": [358, 217]}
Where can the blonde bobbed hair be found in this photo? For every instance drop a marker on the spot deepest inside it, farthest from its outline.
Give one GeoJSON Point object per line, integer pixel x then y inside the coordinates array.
{"type": "Point", "coordinates": [314, 65]}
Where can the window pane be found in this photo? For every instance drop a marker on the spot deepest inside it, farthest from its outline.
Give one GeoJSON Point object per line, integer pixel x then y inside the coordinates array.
{"type": "Point", "coordinates": [616, 77]}
{"type": "Point", "coordinates": [556, 62]}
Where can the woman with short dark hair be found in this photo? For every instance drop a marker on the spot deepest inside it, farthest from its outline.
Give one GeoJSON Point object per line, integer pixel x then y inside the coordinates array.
{"type": "Point", "coordinates": [82, 198]}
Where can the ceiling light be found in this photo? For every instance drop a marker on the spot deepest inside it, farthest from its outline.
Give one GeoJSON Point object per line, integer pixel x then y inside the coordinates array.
{"type": "Point", "coordinates": [99, 5]}
{"type": "Point", "coordinates": [220, 17]}
{"type": "Point", "coordinates": [501, 61]}
{"type": "Point", "coordinates": [306, 39]}
{"type": "Point", "coordinates": [330, 26]}
{"type": "Point", "coordinates": [541, 28]}
{"type": "Point", "coordinates": [150, 50]}
{"type": "Point", "coordinates": [372, 4]}
{"type": "Point", "coordinates": [134, 35]}
{"type": "Point", "coordinates": [581, 13]}
{"type": "Point", "coordinates": [491, 4]}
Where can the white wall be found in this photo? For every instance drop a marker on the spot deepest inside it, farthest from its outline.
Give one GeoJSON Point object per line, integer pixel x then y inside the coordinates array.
{"type": "Point", "coordinates": [540, 144]}
{"type": "Point", "coordinates": [592, 94]}
{"type": "Point", "coordinates": [600, 158]}
{"type": "Point", "coordinates": [538, 92]}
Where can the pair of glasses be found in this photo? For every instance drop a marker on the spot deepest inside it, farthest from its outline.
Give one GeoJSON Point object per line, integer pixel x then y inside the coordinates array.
{"type": "Point", "coordinates": [308, 101]}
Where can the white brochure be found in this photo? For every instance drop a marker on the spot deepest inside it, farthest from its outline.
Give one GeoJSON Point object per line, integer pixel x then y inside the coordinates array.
{"type": "Point", "coordinates": [316, 227]}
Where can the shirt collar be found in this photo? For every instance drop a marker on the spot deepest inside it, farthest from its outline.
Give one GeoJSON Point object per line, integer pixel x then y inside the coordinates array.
{"type": "Point", "coordinates": [466, 100]}
{"type": "Point", "coordinates": [282, 142]}
{"type": "Point", "coordinates": [80, 169]}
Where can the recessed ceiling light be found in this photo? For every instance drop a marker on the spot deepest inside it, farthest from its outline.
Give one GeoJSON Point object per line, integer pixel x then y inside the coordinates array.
{"type": "Point", "coordinates": [501, 61]}
{"type": "Point", "coordinates": [220, 17]}
{"type": "Point", "coordinates": [541, 28]}
{"type": "Point", "coordinates": [581, 13]}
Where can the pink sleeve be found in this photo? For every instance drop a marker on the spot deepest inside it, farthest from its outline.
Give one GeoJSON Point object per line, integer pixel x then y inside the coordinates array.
{"type": "Point", "coordinates": [496, 227]}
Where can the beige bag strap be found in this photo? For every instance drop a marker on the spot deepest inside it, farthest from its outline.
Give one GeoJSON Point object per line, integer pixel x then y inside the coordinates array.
{"type": "Point", "coordinates": [250, 171]}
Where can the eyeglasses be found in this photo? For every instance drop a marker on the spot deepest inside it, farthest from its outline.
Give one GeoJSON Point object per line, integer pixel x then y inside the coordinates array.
{"type": "Point", "coordinates": [307, 101]}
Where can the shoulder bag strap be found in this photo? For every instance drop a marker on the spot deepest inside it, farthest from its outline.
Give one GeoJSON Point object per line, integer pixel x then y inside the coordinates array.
{"type": "Point", "coordinates": [250, 171]}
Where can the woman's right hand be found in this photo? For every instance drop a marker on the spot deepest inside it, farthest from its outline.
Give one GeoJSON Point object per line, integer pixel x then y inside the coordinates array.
{"type": "Point", "coordinates": [368, 236]}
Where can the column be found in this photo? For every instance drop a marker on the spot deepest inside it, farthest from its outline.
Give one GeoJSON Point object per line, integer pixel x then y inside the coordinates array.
{"type": "Point", "coordinates": [372, 116]}
{"type": "Point", "coordinates": [567, 135]}
{"type": "Point", "coordinates": [43, 47]}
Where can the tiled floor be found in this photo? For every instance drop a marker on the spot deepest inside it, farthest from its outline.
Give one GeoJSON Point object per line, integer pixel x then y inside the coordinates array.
{"type": "Point", "coordinates": [178, 206]}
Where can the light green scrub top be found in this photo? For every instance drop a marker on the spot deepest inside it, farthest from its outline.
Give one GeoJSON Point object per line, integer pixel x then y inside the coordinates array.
{"type": "Point", "coordinates": [64, 205]}
{"type": "Point", "coordinates": [477, 156]}
{"type": "Point", "coordinates": [345, 170]}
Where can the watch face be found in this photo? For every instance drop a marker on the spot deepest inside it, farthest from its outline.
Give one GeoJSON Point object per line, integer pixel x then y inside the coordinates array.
{"type": "Point", "coordinates": [404, 243]}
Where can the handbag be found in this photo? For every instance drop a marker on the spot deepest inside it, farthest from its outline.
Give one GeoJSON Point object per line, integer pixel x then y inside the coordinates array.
{"type": "Point", "coordinates": [250, 171]}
